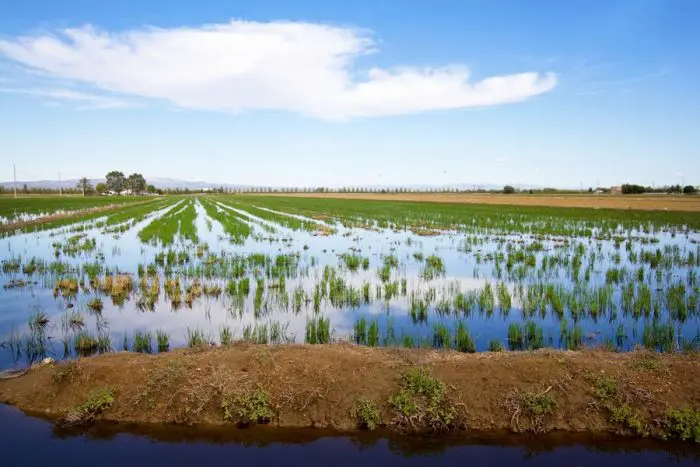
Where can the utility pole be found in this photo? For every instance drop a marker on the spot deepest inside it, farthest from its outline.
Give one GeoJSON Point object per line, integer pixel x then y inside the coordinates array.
{"type": "Point", "coordinates": [14, 173]}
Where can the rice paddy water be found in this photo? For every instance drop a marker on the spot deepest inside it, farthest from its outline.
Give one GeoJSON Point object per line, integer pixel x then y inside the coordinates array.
{"type": "Point", "coordinates": [168, 272]}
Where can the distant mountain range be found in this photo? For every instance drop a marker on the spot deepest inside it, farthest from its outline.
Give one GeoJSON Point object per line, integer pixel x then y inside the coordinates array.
{"type": "Point", "coordinates": [158, 182]}
{"type": "Point", "coordinates": [171, 183]}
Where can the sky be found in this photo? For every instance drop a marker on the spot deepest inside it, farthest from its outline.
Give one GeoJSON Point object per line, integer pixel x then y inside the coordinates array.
{"type": "Point", "coordinates": [337, 93]}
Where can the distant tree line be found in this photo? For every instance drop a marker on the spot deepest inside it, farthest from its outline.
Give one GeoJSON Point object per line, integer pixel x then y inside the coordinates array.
{"type": "Point", "coordinates": [632, 189]}
{"type": "Point", "coordinates": [117, 183]}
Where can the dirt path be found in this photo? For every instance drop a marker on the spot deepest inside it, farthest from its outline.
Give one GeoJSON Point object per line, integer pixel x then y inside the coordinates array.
{"type": "Point", "coordinates": [646, 203]}
{"type": "Point", "coordinates": [320, 386]}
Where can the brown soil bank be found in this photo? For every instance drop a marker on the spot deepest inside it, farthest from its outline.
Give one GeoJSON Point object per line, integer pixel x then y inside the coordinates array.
{"type": "Point", "coordinates": [346, 387]}
{"type": "Point", "coordinates": [690, 203]}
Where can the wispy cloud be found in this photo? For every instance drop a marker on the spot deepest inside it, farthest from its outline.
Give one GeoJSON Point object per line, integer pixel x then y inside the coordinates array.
{"type": "Point", "coordinates": [292, 66]}
{"type": "Point", "coordinates": [588, 78]}
{"type": "Point", "coordinates": [87, 100]}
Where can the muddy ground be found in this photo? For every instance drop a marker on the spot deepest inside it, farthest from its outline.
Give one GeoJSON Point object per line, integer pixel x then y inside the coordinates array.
{"type": "Point", "coordinates": [320, 386]}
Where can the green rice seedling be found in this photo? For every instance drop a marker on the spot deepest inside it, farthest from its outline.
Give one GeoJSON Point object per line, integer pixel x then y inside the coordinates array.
{"type": "Point", "coordinates": [278, 333]}
{"type": "Point", "coordinates": [443, 307]}
{"type": "Point", "coordinates": [659, 336]}
{"type": "Point", "coordinates": [163, 340]}
{"type": "Point", "coordinates": [516, 339]}
{"type": "Point", "coordinates": [463, 341]}
{"type": "Point", "coordinates": [614, 275]}
{"type": "Point", "coordinates": [360, 331]}
{"type": "Point", "coordinates": [248, 333]}
{"type": "Point", "coordinates": [620, 336]}
{"type": "Point", "coordinates": [688, 345]}
{"type": "Point", "coordinates": [317, 330]}
{"type": "Point", "coordinates": [317, 300]}
{"type": "Point", "coordinates": [104, 343]}
{"type": "Point", "coordinates": [570, 339]}
{"type": "Point", "coordinates": [373, 334]}
{"type": "Point", "coordinates": [366, 293]}
{"type": "Point", "coordinates": [211, 290]}
{"type": "Point", "coordinates": [84, 343]}
{"type": "Point", "coordinates": [299, 298]}
{"type": "Point", "coordinates": [442, 337]}
{"type": "Point", "coordinates": [419, 310]}
{"type": "Point", "coordinates": [195, 338]}
{"type": "Point", "coordinates": [389, 338]}
{"type": "Point", "coordinates": [486, 299]}
{"type": "Point", "coordinates": [384, 273]}
{"type": "Point", "coordinates": [495, 346]}
{"type": "Point", "coordinates": [35, 346]}
{"type": "Point", "coordinates": [261, 334]}
{"type": "Point", "coordinates": [676, 302]}
{"type": "Point", "coordinates": [504, 298]}
{"type": "Point", "coordinates": [225, 335]}
{"type": "Point", "coordinates": [352, 261]}
{"type": "Point", "coordinates": [643, 301]}
{"type": "Point", "coordinates": [534, 336]}
{"type": "Point", "coordinates": [433, 267]}
{"type": "Point", "coordinates": [391, 290]}
{"type": "Point", "coordinates": [244, 287]}
{"type": "Point", "coordinates": [365, 264]}
{"type": "Point", "coordinates": [232, 288]}
{"type": "Point", "coordinates": [143, 342]}
{"type": "Point", "coordinates": [463, 303]}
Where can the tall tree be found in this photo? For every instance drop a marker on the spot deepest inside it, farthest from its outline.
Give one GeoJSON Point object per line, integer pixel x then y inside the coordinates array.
{"type": "Point", "coordinates": [115, 181]}
{"type": "Point", "coordinates": [136, 183]}
{"type": "Point", "coordinates": [84, 185]}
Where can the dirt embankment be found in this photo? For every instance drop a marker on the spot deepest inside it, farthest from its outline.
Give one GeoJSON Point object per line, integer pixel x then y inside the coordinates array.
{"type": "Point", "coordinates": [345, 387]}
{"type": "Point", "coordinates": [689, 203]}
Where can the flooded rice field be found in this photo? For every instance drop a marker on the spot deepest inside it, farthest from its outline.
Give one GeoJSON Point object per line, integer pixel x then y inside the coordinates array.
{"type": "Point", "coordinates": [168, 272]}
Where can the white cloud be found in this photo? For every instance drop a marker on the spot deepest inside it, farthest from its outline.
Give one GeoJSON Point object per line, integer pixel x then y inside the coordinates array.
{"type": "Point", "coordinates": [299, 67]}
{"type": "Point", "coordinates": [89, 101]}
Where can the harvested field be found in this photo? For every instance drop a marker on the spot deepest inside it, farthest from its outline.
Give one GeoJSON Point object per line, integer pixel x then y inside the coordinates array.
{"type": "Point", "coordinates": [644, 203]}
{"type": "Point", "coordinates": [346, 387]}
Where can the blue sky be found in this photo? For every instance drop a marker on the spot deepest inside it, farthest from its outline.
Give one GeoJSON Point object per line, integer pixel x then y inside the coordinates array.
{"type": "Point", "coordinates": [346, 93]}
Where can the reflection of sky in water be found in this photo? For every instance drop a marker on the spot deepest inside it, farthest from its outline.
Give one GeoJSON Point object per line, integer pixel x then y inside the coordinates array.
{"type": "Point", "coordinates": [125, 252]}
